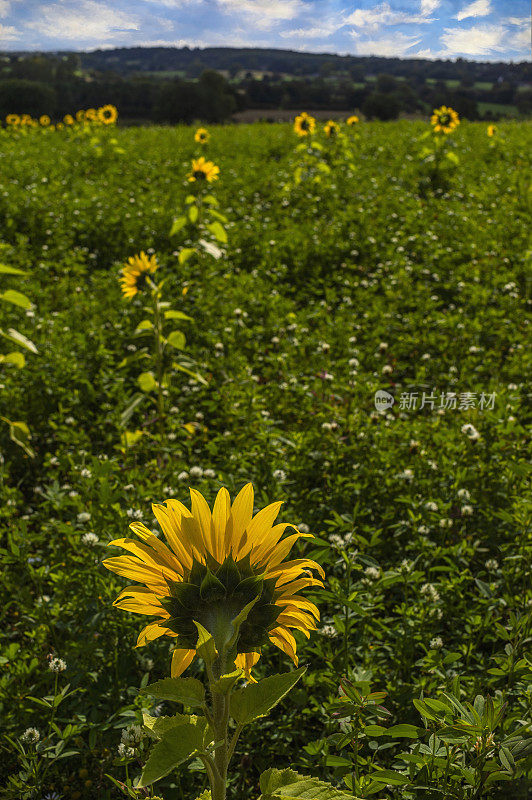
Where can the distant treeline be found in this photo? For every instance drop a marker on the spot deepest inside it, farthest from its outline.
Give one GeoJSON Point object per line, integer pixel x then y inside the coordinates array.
{"type": "Point", "coordinates": [182, 85]}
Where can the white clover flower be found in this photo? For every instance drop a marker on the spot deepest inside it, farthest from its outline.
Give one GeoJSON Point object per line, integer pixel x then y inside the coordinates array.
{"type": "Point", "coordinates": [125, 752]}
{"type": "Point", "coordinates": [326, 426]}
{"type": "Point", "coordinates": [429, 590]}
{"type": "Point", "coordinates": [492, 564]}
{"type": "Point", "coordinates": [383, 346]}
{"type": "Point", "coordinates": [336, 540]}
{"type": "Point", "coordinates": [134, 513]}
{"type": "Point", "coordinates": [406, 475]}
{"type": "Point", "coordinates": [406, 565]}
{"type": "Point", "coordinates": [209, 473]}
{"type": "Point", "coordinates": [183, 476]}
{"type": "Point", "coordinates": [431, 506]}
{"type": "Point", "coordinates": [329, 630]}
{"type": "Point", "coordinates": [70, 421]}
{"type": "Point", "coordinates": [84, 516]}
{"type": "Point", "coordinates": [196, 472]}
{"type": "Point", "coordinates": [445, 523]}
{"type": "Point", "coordinates": [85, 473]}
{"type": "Point", "coordinates": [275, 340]}
{"type": "Point", "coordinates": [470, 431]}
{"type": "Point", "coordinates": [373, 573]}
{"type": "Point", "coordinates": [463, 494]}
{"type": "Point", "coordinates": [57, 665]}
{"type": "Point", "coordinates": [54, 461]}
{"type": "Point", "coordinates": [31, 736]}
{"type": "Point", "coordinates": [467, 511]}
{"type": "Point", "coordinates": [129, 487]}
{"type": "Point", "coordinates": [423, 530]}
{"type": "Point", "coordinates": [303, 527]}
{"type": "Point", "coordinates": [387, 369]}
{"type": "Point", "coordinates": [132, 735]}
{"type": "Point", "coordinates": [219, 346]}
{"type": "Point", "coordinates": [279, 474]}
{"type": "Point", "coordinates": [354, 362]}
{"type": "Point", "coordinates": [89, 539]}
{"type": "Point", "coordinates": [436, 643]}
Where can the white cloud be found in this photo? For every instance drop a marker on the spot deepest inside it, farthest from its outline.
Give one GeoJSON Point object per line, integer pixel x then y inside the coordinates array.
{"type": "Point", "coordinates": [325, 28]}
{"type": "Point", "coordinates": [478, 8]}
{"type": "Point", "coordinates": [519, 39]}
{"type": "Point", "coordinates": [428, 6]}
{"type": "Point", "coordinates": [383, 14]}
{"type": "Point", "coordinates": [393, 46]}
{"type": "Point", "coordinates": [86, 21]}
{"type": "Point", "coordinates": [5, 7]}
{"type": "Point", "coordinates": [8, 33]}
{"type": "Point", "coordinates": [480, 40]}
{"type": "Point", "coordinates": [263, 14]}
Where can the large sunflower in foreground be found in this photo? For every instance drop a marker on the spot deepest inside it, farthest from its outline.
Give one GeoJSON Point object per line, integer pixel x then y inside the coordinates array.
{"type": "Point", "coordinates": [444, 120]}
{"type": "Point", "coordinates": [213, 565]}
{"type": "Point", "coordinates": [304, 124]}
{"type": "Point", "coordinates": [135, 272]}
{"type": "Point", "coordinates": [203, 170]}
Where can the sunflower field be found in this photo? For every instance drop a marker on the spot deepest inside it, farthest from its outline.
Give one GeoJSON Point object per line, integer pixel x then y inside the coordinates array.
{"type": "Point", "coordinates": [265, 386]}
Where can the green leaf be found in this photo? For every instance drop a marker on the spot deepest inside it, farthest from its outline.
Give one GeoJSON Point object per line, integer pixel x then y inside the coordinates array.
{"type": "Point", "coordinates": [193, 213]}
{"type": "Point", "coordinates": [185, 254]}
{"type": "Point", "coordinates": [453, 158]}
{"type": "Point", "coordinates": [195, 375]}
{"type": "Point", "coordinates": [5, 270]}
{"type": "Point", "coordinates": [18, 338]}
{"type": "Point", "coordinates": [388, 776]}
{"type": "Point", "coordinates": [217, 215]}
{"type": "Point", "coordinates": [276, 783]}
{"type": "Point", "coordinates": [217, 229]}
{"type": "Point", "coordinates": [145, 325]}
{"type": "Point", "coordinates": [158, 726]}
{"type": "Point", "coordinates": [176, 339]}
{"type": "Point", "coordinates": [210, 199]}
{"type": "Point", "coordinates": [409, 731]}
{"type": "Point", "coordinates": [177, 225]}
{"type": "Point", "coordinates": [20, 434]}
{"type": "Point", "coordinates": [224, 684]}
{"type": "Point", "coordinates": [205, 647]}
{"type": "Point", "coordinates": [147, 382]}
{"type": "Point", "coordinates": [257, 699]}
{"type": "Point", "coordinates": [130, 438]}
{"type": "Point", "coordinates": [190, 198]}
{"type": "Point", "coordinates": [17, 298]}
{"type": "Point", "coordinates": [188, 691]}
{"type": "Point", "coordinates": [176, 315]}
{"type": "Point", "coordinates": [176, 746]}
{"type": "Point", "coordinates": [237, 622]}
{"type": "Point", "coordinates": [17, 359]}
{"type": "Point", "coordinates": [128, 411]}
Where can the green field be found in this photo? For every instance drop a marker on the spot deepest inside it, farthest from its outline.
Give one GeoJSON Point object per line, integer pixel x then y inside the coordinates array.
{"type": "Point", "coordinates": [371, 272]}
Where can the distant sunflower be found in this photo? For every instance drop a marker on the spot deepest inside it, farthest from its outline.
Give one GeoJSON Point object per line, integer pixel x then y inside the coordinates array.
{"type": "Point", "coordinates": [304, 124]}
{"type": "Point", "coordinates": [107, 115]}
{"type": "Point", "coordinates": [202, 136]}
{"type": "Point", "coordinates": [91, 114]}
{"type": "Point", "coordinates": [332, 129]}
{"type": "Point", "coordinates": [68, 119]}
{"type": "Point", "coordinates": [135, 272]}
{"type": "Point", "coordinates": [80, 115]}
{"type": "Point", "coordinates": [353, 120]}
{"type": "Point", "coordinates": [444, 120]}
{"type": "Point", "coordinates": [13, 119]}
{"type": "Point", "coordinates": [203, 170]}
{"type": "Point", "coordinates": [492, 130]}
{"type": "Point", "coordinates": [213, 566]}
{"type": "Point", "coordinates": [44, 120]}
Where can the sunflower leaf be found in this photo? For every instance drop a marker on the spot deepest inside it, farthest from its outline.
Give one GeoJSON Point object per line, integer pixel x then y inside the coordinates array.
{"type": "Point", "coordinates": [176, 746]}
{"type": "Point", "coordinates": [188, 691]}
{"type": "Point", "coordinates": [276, 784]}
{"type": "Point", "coordinates": [257, 699]}
{"type": "Point", "coordinates": [205, 648]}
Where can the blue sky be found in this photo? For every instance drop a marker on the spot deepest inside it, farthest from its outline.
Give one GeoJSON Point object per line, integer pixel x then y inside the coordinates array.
{"type": "Point", "coordinates": [486, 30]}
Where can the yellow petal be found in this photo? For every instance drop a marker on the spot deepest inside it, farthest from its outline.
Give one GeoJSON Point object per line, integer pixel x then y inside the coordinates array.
{"type": "Point", "coordinates": [220, 515]}
{"type": "Point", "coordinates": [139, 600]}
{"type": "Point", "coordinates": [301, 583]}
{"type": "Point", "coordinates": [240, 517]}
{"type": "Point", "coordinates": [280, 552]}
{"type": "Point", "coordinates": [132, 568]}
{"type": "Point", "coordinates": [259, 527]}
{"type": "Point", "coordinates": [202, 515]}
{"type": "Point", "coordinates": [181, 659]}
{"type": "Point", "coordinates": [246, 661]}
{"type": "Point", "coordinates": [154, 558]}
{"type": "Point", "coordinates": [297, 602]}
{"type": "Point", "coordinates": [169, 518]}
{"type": "Point", "coordinates": [282, 638]}
{"type": "Point", "coordinates": [151, 632]}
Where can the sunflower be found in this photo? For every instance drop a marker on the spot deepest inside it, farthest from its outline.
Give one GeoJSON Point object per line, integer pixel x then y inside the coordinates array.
{"type": "Point", "coordinates": [203, 170]}
{"type": "Point", "coordinates": [44, 120]}
{"type": "Point", "coordinates": [68, 119]}
{"type": "Point", "coordinates": [80, 115]}
{"type": "Point", "coordinates": [304, 124]}
{"type": "Point", "coordinates": [444, 120]}
{"type": "Point", "coordinates": [332, 129]}
{"type": "Point", "coordinates": [108, 114]}
{"type": "Point", "coordinates": [13, 119]}
{"type": "Point", "coordinates": [353, 120]}
{"type": "Point", "coordinates": [91, 114]}
{"type": "Point", "coordinates": [202, 136]}
{"type": "Point", "coordinates": [213, 566]}
{"type": "Point", "coordinates": [135, 272]}
{"type": "Point", "coordinates": [492, 130]}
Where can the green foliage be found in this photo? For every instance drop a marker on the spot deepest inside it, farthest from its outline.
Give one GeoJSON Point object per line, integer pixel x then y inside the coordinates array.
{"type": "Point", "coordinates": [257, 699]}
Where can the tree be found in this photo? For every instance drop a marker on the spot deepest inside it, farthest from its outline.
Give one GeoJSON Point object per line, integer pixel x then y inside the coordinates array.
{"type": "Point", "coordinates": [18, 96]}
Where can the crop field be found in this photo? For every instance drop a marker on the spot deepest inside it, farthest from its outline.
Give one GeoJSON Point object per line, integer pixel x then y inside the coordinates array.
{"type": "Point", "coordinates": [343, 323]}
